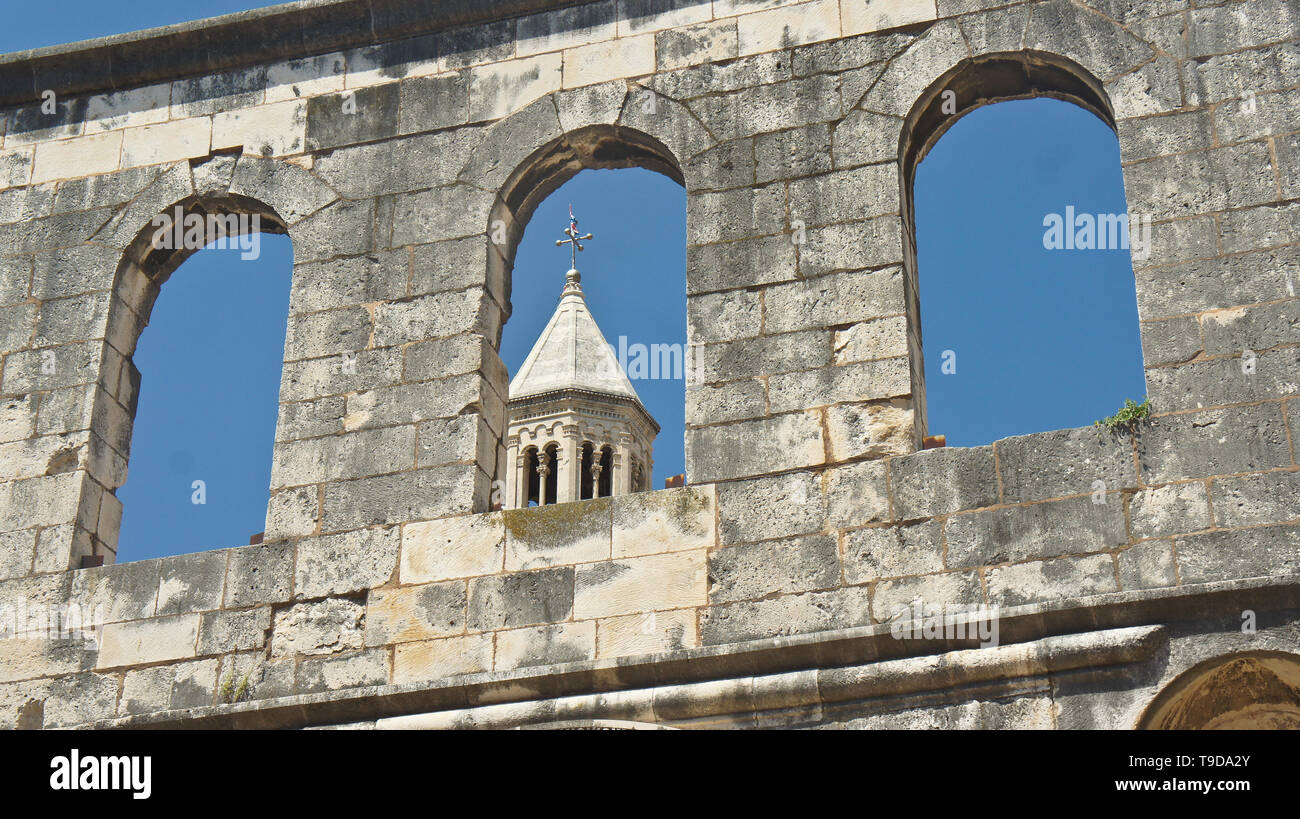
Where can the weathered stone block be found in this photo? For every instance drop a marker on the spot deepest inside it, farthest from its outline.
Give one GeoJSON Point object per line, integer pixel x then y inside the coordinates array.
{"type": "Point", "coordinates": [412, 613]}
{"type": "Point", "coordinates": [465, 546]}
{"type": "Point", "coordinates": [546, 645]}
{"type": "Point", "coordinates": [670, 520]}
{"type": "Point", "coordinates": [750, 572]}
{"type": "Point", "coordinates": [1147, 566]}
{"type": "Point", "coordinates": [639, 584]}
{"type": "Point", "coordinates": [857, 494]}
{"type": "Point", "coordinates": [1048, 580]}
{"type": "Point", "coordinates": [1040, 530]}
{"type": "Point", "coordinates": [1064, 462]}
{"type": "Point", "coordinates": [748, 448]}
{"type": "Point", "coordinates": [561, 533]}
{"type": "Point", "coordinates": [732, 401]}
{"type": "Point", "coordinates": [189, 583]}
{"type": "Point", "coordinates": [695, 45]}
{"type": "Point", "coordinates": [1254, 499]}
{"type": "Point", "coordinates": [879, 552]}
{"type": "Point", "coordinates": [440, 659]}
{"type": "Point", "coordinates": [221, 632]}
{"type": "Point", "coordinates": [322, 627]}
{"type": "Point", "coordinates": [259, 574]}
{"type": "Point", "coordinates": [1266, 551]}
{"type": "Point", "coordinates": [1169, 510]}
{"type": "Point", "coordinates": [353, 116]}
{"type": "Point", "coordinates": [391, 499]}
{"type": "Point", "coordinates": [717, 317]}
{"type": "Point", "coordinates": [871, 430]}
{"type": "Point", "coordinates": [1213, 442]}
{"type": "Point", "coordinates": [648, 633]}
{"type": "Point", "coordinates": [939, 481]}
{"type": "Point", "coordinates": [779, 506]}
{"type": "Point", "coordinates": [148, 641]}
{"type": "Point", "coordinates": [363, 668]}
{"type": "Point", "coordinates": [345, 563]}
{"type": "Point", "coordinates": [521, 599]}
{"type": "Point", "coordinates": [784, 616]}
{"type": "Point", "coordinates": [127, 591]}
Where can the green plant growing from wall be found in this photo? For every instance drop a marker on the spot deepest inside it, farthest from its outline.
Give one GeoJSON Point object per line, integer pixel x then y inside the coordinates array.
{"type": "Point", "coordinates": [231, 691]}
{"type": "Point", "coordinates": [1128, 417]}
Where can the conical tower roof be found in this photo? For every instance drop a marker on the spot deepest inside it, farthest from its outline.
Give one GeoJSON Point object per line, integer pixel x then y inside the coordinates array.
{"type": "Point", "coordinates": [571, 354]}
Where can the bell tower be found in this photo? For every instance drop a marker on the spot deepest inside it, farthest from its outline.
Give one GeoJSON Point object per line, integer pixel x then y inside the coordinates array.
{"type": "Point", "coordinates": [577, 428]}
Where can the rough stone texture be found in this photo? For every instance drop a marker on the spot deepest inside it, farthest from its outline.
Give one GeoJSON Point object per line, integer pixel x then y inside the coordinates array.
{"type": "Point", "coordinates": [809, 509]}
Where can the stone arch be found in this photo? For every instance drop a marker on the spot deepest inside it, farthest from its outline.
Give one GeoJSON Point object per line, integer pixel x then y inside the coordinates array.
{"type": "Point", "coordinates": [972, 83]}
{"type": "Point", "coordinates": [147, 260]}
{"type": "Point", "coordinates": [528, 155]}
{"type": "Point", "coordinates": [1250, 689]}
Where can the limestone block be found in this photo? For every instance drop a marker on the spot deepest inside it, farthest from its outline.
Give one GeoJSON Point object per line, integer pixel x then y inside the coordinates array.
{"type": "Point", "coordinates": [693, 45]}
{"type": "Point", "coordinates": [566, 27]}
{"type": "Point", "coordinates": [1147, 566]}
{"type": "Point", "coordinates": [765, 355]}
{"type": "Point", "coordinates": [148, 641]}
{"type": "Point", "coordinates": [361, 115]}
{"type": "Point", "coordinates": [1165, 341]}
{"type": "Point", "coordinates": [1266, 551]}
{"type": "Point", "coordinates": [339, 229]}
{"type": "Point", "coordinates": [787, 26]}
{"type": "Point", "coordinates": [80, 156]}
{"type": "Point", "coordinates": [732, 401]}
{"type": "Point", "coordinates": [443, 658]}
{"type": "Point", "coordinates": [1064, 462]}
{"type": "Point", "coordinates": [892, 598]}
{"type": "Point", "coordinates": [1047, 580]}
{"type": "Point", "coordinates": [17, 550]}
{"type": "Point", "coordinates": [894, 551]}
{"type": "Point", "coordinates": [465, 546]}
{"type": "Point", "coordinates": [293, 192]}
{"type": "Point", "coordinates": [670, 520]}
{"type": "Point", "coordinates": [78, 699]}
{"type": "Point", "coordinates": [166, 142]}
{"type": "Point", "coordinates": [861, 16]}
{"type": "Point", "coordinates": [364, 668]}
{"type": "Point", "coordinates": [1215, 283]}
{"type": "Point", "coordinates": [1039, 530]}
{"type": "Point", "coordinates": [546, 645]}
{"type": "Point", "coordinates": [832, 300]}
{"type": "Point", "coordinates": [259, 574]}
{"type": "Point", "coordinates": [785, 615]}
{"type": "Point", "coordinates": [648, 633]}
{"type": "Point", "coordinates": [856, 494]}
{"type": "Point", "coordinates": [867, 380]}
{"type": "Point", "coordinates": [221, 632]}
{"type": "Point", "coordinates": [430, 103]}
{"type": "Point", "coordinates": [763, 508]}
{"type": "Point", "coordinates": [609, 60]}
{"type": "Point", "coordinates": [292, 512]}
{"type": "Point", "coordinates": [715, 317]}
{"type": "Point", "coordinates": [348, 281]}
{"type": "Point", "coordinates": [1169, 510]}
{"type": "Point", "coordinates": [636, 16]}
{"type": "Point", "coordinates": [755, 447]}
{"type": "Point", "coordinates": [714, 78]}
{"type": "Point", "coordinates": [223, 91]}
{"type": "Point", "coordinates": [939, 481]}
{"type": "Point", "coordinates": [279, 129]}
{"type": "Point", "coordinates": [641, 584]}
{"type": "Point", "coordinates": [1213, 442]}
{"type": "Point", "coordinates": [125, 591]}
{"type": "Point", "coordinates": [390, 499]}
{"type": "Point", "coordinates": [15, 167]}
{"type": "Point", "coordinates": [499, 88]}
{"type": "Point", "coordinates": [1254, 499]}
{"type": "Point", "coordinates": [189, 583]}
{"type": "Point", "coordinates": [785, 566]}
{"type": "Point", "coordinates": [346, 563]}
{"type": "Point", "coordinates": [412, 613]}
{"type": "Point", "coordinates": [309, 77]}
{"type": "Point", "coordinates": [557, 534]}
{"type": "Point", "coordinates": [521, 599]}
{"type": "Point", "coordinates": [325, 626]}
{"type": "Point", "coordinates": [350, 455]}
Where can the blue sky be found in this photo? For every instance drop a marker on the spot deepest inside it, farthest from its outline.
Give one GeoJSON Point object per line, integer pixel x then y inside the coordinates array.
{"type": "Point", "coordinates": [1042, 339]}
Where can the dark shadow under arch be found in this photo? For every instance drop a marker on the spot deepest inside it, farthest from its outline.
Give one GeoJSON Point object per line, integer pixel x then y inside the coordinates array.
{"type": "Point", "coordinates": [1251, 689]}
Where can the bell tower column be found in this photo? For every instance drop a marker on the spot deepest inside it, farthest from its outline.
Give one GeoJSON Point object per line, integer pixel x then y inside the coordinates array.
{"type": "Point", "coordinates": [570, 463]}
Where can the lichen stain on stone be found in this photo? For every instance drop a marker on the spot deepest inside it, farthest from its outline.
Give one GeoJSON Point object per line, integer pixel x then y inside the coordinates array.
{"type": "Point", "coordinates": [550, 524]}
{"type": "Point", "coordinates": [65, 460]}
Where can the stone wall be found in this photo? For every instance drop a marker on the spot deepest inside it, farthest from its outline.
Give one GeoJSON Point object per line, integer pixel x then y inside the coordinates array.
{"type": "Point", "coordinates": [794, 127]}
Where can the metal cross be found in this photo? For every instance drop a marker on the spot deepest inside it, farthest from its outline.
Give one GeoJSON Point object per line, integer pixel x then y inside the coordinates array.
{"type": "Point", "coordinates": [572, 232]}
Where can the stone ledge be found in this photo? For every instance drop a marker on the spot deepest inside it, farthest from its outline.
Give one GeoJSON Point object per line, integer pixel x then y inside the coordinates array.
{"type": "Point", "coordinates": [717, 664]}
{"type": "Point", "coordinates": [231, 41]}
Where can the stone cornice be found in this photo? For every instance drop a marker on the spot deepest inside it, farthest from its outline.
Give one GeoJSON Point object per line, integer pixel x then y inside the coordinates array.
{"type": "Point", "coordinates": [234, 41]}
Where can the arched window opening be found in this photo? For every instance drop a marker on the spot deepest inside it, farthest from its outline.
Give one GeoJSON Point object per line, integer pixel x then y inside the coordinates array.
{"type": "Point", "coordinates": [1028, 325]}
{"type": "Point", "coordinates": [599, 355]}
{"type": "Point", "coordinates": [534, 477]}
{"type": "Point", "coordinates": [588, 472]}
{"type": "Point", "coordinates": [210, 321]}
{"type": "Point", "coordinates": [606, 471]}
{"type": "Point", "coordinates": [551, 474]}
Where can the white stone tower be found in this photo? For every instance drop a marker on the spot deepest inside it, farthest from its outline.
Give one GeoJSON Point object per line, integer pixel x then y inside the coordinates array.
{"type": "Point", "coordinates": [577, 428]}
